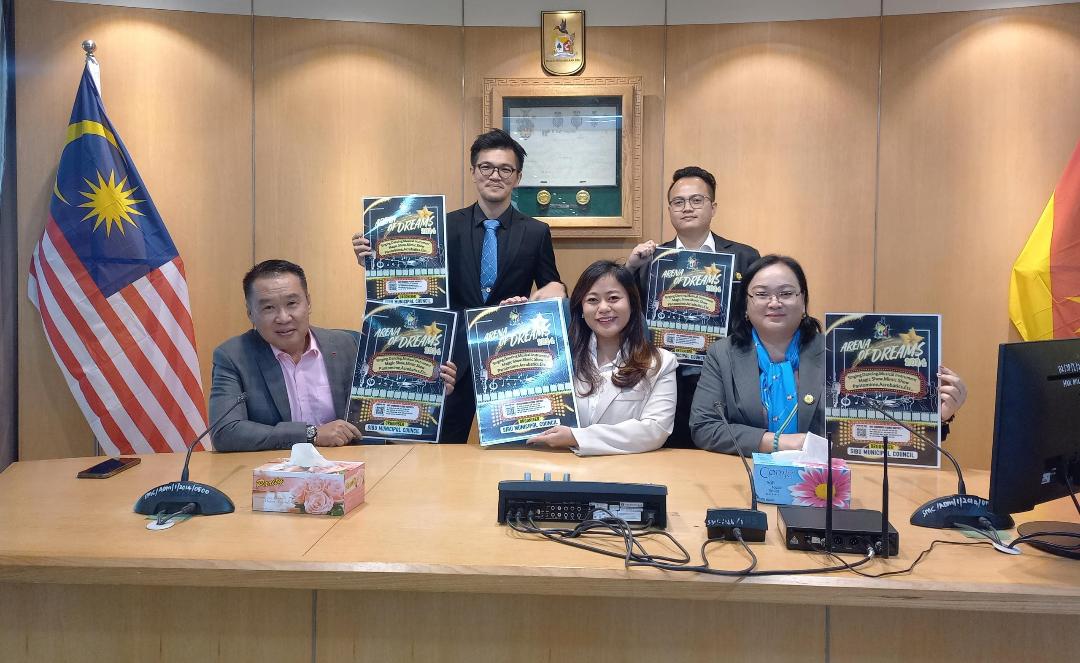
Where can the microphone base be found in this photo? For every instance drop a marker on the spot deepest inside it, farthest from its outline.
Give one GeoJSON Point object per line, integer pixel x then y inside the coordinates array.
{"type": "Point", "coordinates": [946, 512]}
{"type": "Point", "coordinates": [174, 496]}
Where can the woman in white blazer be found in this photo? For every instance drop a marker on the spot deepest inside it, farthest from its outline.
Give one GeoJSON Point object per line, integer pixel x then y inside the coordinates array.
{"type": "Point", "coordinates": [625, 386]}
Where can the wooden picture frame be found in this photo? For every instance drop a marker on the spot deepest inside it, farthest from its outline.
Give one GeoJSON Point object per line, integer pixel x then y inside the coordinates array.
{"type": "Point", "coordinates": [611, 208]}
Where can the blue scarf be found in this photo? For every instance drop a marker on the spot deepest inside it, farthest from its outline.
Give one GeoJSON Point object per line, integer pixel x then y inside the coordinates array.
{"type": "Point", "coordinates": [779, 393]}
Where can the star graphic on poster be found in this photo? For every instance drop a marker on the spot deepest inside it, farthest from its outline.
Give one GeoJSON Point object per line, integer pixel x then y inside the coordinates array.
{"type": "Point", "coordinates": [712, 270]}
{"type": "Point", "coordinates": [424, 214]}
{"type": "Point", "coordinates": [910, 337]}
{"type": "Point", "coordinates": [540, 324]}
{"type": "Point", "coordinates": [432, 329]}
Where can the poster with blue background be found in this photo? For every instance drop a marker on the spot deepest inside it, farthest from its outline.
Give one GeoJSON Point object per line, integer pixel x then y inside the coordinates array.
{"type": "Point", "coordinates": [407, 264]}
{"type": "Point", "coordinates": [521, 370]}
{"type": "Point", "coordinates": [397, 392]}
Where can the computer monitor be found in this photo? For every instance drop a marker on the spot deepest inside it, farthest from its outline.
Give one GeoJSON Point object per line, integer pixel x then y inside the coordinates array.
{"type": "Point", "coordinates": [1037, 431]}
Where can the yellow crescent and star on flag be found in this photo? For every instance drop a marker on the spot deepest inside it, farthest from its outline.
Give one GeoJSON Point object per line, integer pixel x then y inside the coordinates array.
{"type": "Point", "coordinates": [110, 202]}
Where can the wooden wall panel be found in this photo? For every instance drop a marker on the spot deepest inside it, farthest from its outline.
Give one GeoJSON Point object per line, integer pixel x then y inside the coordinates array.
{"type": "Point", "coordinates": [342, 111]}
{"type": "Point", "coordinates": [949, 635]}
{"type": "Point", "coordinates": [445, 628]}
{"type": "Point", "coordinates": [612, 51]}
{"type": "Point", "coordinates": [979, 118]}
{"type": "Point", "coordinates": [163, 624]}
{"type": "Point", "coordinates": [784, 115]}
{"type": "Point", "coordinates": [177, 88]}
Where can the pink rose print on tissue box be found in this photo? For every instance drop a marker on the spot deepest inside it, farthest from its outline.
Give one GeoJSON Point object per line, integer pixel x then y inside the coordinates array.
{"type": "Point", "coordinates": [333, 490]}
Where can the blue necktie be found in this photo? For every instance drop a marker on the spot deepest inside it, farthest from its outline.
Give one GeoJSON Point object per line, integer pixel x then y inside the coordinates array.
{"type": "Point", "coordinates": [489, 258]}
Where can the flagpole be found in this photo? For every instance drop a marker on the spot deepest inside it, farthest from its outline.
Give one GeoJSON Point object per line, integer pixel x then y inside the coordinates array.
{"type": "Point", "coordinates": [95, 71]}
{"type": "Point", "coordinates": [89, 46]}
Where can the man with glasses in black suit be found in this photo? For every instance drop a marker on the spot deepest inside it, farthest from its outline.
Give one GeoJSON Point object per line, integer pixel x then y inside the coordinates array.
{"type": "Point", "coordinates": [691, 206]}
{"type": "Point", "coordinates": [495, 253]}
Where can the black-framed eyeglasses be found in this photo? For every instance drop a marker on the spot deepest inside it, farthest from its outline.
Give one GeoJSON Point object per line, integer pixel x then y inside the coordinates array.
{"type": "Point", "coordinates": [486, 169]}
{"type": "Point", "coordinates": [696, 202]}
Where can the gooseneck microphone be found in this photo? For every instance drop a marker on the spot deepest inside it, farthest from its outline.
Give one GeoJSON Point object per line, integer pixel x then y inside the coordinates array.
{"type": "Point", "coordinates": [183, 496]}
{"type": "Point", "coordinates": [187, 459]}
{"type": "Point", "coordinates": [952, 510]}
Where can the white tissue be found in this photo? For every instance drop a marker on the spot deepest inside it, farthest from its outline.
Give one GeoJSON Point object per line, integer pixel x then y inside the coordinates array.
{"type": "Point", "coordinates": [306, 455]}
{"type": "Point", "coordinates": [815, 450]}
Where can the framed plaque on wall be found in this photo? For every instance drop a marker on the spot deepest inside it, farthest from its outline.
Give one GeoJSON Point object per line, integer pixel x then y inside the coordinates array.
{"type": "Point", "coordinates": [582, 175]}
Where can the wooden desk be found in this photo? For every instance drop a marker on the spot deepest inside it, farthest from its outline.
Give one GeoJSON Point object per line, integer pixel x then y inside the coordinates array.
{"type": "Point", "coordinates": [422, 572]}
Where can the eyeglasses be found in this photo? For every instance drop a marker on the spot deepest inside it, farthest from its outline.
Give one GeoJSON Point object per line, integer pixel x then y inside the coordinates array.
{"type": "Point", "coordinates": [696, 202]}
{"type": "Point", "coordinates": [486, 169]}
{"type": "Point", "coordinates": [784, 296]}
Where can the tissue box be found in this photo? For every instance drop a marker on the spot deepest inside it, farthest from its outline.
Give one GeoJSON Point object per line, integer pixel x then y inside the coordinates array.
{"type": "Point", "coordinates": [333, 490]}
{"type": "Point", "coordinates": [780, 481]}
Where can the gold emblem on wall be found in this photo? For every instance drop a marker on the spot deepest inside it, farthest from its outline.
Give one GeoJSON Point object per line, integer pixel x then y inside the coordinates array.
{"type": "Point", "coordinates": [562, 42]}
{"type": "Point", "coordinates": [583, 197]}
{"type": "Point", "coordinates": [543, 197]}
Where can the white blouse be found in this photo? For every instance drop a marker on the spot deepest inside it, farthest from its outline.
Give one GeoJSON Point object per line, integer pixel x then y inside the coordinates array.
{"type": "Point", "coordinates": [631, 420]}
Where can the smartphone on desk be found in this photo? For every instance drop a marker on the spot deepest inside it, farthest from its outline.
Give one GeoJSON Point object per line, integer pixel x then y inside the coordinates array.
{"type": "Point", "coordinates": [108, 468]}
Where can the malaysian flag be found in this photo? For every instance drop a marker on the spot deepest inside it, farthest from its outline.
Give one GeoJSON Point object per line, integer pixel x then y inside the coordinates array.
{"type": "Point", "coordinates": [110, 287]}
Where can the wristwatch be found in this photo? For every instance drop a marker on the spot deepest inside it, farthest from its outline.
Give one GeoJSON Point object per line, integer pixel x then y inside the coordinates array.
{"type": "Point", "coordinates": [312, 433]}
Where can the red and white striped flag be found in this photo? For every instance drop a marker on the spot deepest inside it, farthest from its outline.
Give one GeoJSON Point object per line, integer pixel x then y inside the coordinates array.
{"type": "Point", "coordinates": [110, 287]}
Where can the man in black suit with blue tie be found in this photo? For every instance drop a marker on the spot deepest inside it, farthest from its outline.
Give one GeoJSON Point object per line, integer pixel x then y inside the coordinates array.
{"type": "Point", "coordinates": [495, 253]}
{"type": "Point", "coordinates": [691, 205]}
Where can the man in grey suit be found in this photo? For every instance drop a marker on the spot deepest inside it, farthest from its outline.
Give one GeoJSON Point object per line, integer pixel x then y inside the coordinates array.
{"type": "Point", "coordinates": [297, 377]}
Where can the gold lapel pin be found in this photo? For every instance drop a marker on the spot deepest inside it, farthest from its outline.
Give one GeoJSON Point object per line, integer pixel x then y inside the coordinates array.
{"type": "Point", "coordinates": [808, 399]}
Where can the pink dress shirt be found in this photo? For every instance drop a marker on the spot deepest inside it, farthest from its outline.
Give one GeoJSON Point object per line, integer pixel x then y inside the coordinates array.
{"type": "Point", "coordinates": [308, 387]}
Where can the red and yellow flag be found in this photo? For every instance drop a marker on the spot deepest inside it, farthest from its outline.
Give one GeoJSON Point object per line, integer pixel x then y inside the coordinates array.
{"type": "Point", "coordinates": [1044, 295]}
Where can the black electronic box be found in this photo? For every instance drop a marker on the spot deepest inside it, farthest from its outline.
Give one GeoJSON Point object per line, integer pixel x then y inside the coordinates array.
{"type": "Point", "coordinates": [853, 530]}
{"type": "Point", "coordinates": [576, 501]}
